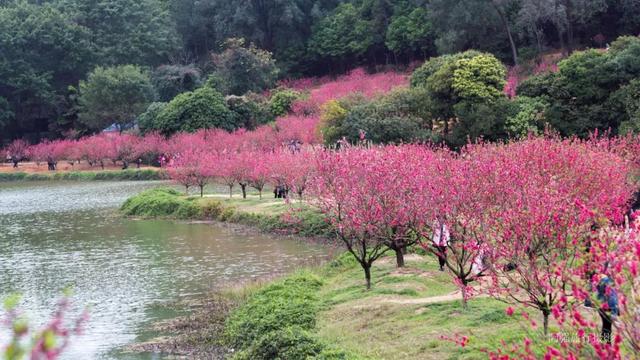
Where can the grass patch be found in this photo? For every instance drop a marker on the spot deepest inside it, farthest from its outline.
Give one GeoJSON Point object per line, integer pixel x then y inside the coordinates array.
{"type": "Point", "coordinates": [278, 322]}
{"type": "Point", "coordinates": [111, 175]}
{"type": "Point", "coordinates": [159, 203]}
{"type": "Point", "coordinates": [269, 215]}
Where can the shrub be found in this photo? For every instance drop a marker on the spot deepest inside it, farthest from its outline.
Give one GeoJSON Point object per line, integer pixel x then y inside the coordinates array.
{"type": "Point", "coordinates": [147, 121]}
{"type": "Point", "coordinates": [282, 100]}
{"type": "Point", "coordinates": [240, 69]}
{"type": "Point", "coordinates": [249, 110]}
{"type": "Point", "coordinates": [114, 95]}
{"type": "Point", "coordinates": [203, 108]}
{"type": "Point", "coordinates": [171, 80]}
{"type": "Point", "coordinates": [160, 203]}
{"type": "Point", "coordinates": [283, 304]}
{"type": "Point", "coordinates": [291, 343]}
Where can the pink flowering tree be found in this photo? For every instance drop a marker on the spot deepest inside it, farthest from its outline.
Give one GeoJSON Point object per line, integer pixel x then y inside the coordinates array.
{"type": "Point", "coordinates": [18, 150]}
{"type": "Point", "coordinates": [192, 168]}
{"type": "Point", "coordinates": [552, 194]}
{"type": "Point", "coordinates": [48, 342]}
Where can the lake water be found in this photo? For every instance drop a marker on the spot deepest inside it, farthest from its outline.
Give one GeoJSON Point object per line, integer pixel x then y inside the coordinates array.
{"type": "Point", "coordinates": [57, 235]}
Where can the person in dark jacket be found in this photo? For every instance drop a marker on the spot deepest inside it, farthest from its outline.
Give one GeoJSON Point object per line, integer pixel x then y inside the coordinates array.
{"type": "Point", "coordinates": [609, 309]}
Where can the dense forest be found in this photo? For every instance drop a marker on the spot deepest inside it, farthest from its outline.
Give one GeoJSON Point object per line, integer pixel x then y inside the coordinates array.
{"type": "Point", "coordinates": [73, 67]}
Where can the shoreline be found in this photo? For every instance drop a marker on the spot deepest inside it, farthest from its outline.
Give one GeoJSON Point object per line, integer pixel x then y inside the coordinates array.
{"type": "Point", "coordinates": [144, 174]}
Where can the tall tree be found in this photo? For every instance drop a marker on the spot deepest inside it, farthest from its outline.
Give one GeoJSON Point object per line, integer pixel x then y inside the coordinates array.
{"type": "Point", "coordinates": [42, 51]}
{"type": "Point", "coordinates": [126, 31]}
{"type": "Point", "coordinates": [114, 95]}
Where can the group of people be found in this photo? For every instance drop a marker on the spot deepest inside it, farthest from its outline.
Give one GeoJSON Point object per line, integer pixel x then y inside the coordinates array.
{"type": "Point", "coordinates": [605, 293]}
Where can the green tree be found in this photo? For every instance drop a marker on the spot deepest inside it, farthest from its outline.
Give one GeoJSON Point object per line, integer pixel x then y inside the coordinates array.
{"type": "Point", "coordinates": [480, 78]}
{"type": "Point", "coordinates": [137, 32]}
{"type": "Point", "coordinates": [343, 35]}
{"type": "Point", "coordinates": [203, 108]}
{"type": "Point", "coordinates": [584, 95]}
{"type": "Point", "coordinates": [42, 51]}
{"type": "Point", "coordinates": [171, 80]}
{"type": "Point", "coordinates": [410, 34]}
{"type": "Point", "coordinates": [147, 121]}
{"type": "Point", "coordinates": [241, 68]}
{"type": "Point", "coordinates": [114, 95]}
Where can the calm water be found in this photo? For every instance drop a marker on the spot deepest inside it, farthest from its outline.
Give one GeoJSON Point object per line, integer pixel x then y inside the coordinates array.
{"type": "Point", "coordinates": [57, 235]}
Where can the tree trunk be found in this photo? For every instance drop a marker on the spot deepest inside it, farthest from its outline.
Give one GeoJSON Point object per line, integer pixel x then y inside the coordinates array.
{"type": "Point", "coordinates": [465, 305]}
{"type": "Point", "coordinates": [570, 35]}
{"type": "Point", "coordinates": [545, 322]}
{"type": "Point", "coordinates": [102, 164]}
{"type": "Point", "coordinates": [399, 257]}
{"type": "Point", "coordinates": [201, 191]}
{"type": "Point", "coordinates": [186, 189]}
{"type": "Point", "coordinates": [505, 23]}
{"type": "Point", "coordinates": [260, 192]}
{"type": "Point", "coordinates": [230, 191]}
{"type": "Point", "coordinates": [367, 275]}
{"type": "Point", "coordinates": [244, 190]}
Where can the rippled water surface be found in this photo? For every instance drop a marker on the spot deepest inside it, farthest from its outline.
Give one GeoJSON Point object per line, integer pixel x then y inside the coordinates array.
{"type": "Point", "coordinates": [56, 235]}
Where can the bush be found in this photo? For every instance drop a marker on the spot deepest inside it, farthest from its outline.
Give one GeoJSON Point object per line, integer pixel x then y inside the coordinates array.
{"type": "Point", "coordinates": [160, 203]}
{"type": "Point", "coordinates": [240, 69]}
{"type": "Point", "coordinates": [203, 108]}
{"type": "Point", "coordinates": [148, 120]}
{"type": "Point", "coordinates": [291, 343]}
{"type": "Point", "coordinates": [114, 95]}
{"type": "Point", "coordinates": [283, 304]}
{"type": "Point", "coordinates": [281, 101]}
{"type": "Point", "coordinates": [400, 116]}
{"type": "Point", "coordinates": [250, 110]}
{"type": "Point", "coordinates": [171, 80]}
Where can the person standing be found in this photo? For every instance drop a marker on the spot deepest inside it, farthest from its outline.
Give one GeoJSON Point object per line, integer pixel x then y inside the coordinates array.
{"type": "Point", "coordinates": [440, 240]}
{"type": "Point", "coordinates": [609, 310]}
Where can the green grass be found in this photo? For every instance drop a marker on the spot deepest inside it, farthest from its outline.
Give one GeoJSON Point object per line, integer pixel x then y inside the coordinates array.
{"type": "Point", "coordinates": [156, 203]}
{"type": "Point", "coordinates": [267, 214]}
{"type": "Point", "coordinates": [394, 320]}
{"type": "Point", "coordinates": [112, 175]}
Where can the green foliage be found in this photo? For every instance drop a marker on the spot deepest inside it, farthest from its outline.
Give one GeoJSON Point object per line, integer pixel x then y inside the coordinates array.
{"type": "Point", "coordinates": [119, 175]}
{"type": "Point", "coordinates": [250, 110]}
{"type": "Point", "coordinates": [126, 31]}
{"type": "Point", "coordinates": [42, 51]}
{"type": "Point", "coordinates": [410, 33]}
{"type": "Point", "coordinates": [400, 116]}
{"type": "Point", "coordinates": [203, 108]}
{"type": "Point", "coordinates": [281, 101]}
{"type": "Point", "coordinates": [171, 80]}
{"type": "Point", "coordinates": [481, 78]}
{"type": "Point", "coordinates": [114, 95]}
{"type": "Point", "coordinates": [343, 34]}
{"type": "Point", "coordinates": [291, 343]}
{"type": "Point", "coordinates": [283, 304]}
{"type": "Point", "coordinates": [588, 92]}
{"type": "Point", "coordinates": [148, 119]}
{"type": "Point", "coordinates": [530, 118]}
{"type": "Point", "coordinates": [160, 203]}
{"type": "Point", "coordinates": [477, 120]}
{"type": "Point", "coordinates": [241, 68]}
{"type": "Point", "coordinates": [629, 96]}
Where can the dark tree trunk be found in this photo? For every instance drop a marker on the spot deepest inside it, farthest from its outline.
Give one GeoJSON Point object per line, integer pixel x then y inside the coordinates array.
{"type": "Point", "coordinates": [244, 190]}
{"type": "Point", "coordinates": [230, 191]}
{"type": "Point", "coordinates": [125, 164]}
{"type": "Point", "coordinates": [507, 29]}
{"type": "Point", "coordinates": [545, 322]}
{"type": "Point", "coordinates": [260, 192]}
{"type": "Point", "coordinates": [465, 305]}
{"type": "Point", "coordinates": [201, 190]}
{"type": "Point", "coordinates": [399, 257]}
{"type": "Point", "coordinates": [15, 163]}
{"type": "Point", "coordinates": [102, 164]}
{"type": "Point", "coordinates": [367, 275]}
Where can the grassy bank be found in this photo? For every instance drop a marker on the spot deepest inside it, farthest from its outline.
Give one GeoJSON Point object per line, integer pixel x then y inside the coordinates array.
{"type": "Point", "coordinates": [113, 175]}
{"type": "Point", "coordinates": [267, 214]}
{"type": "Point", "coordinates": [326, 313]}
